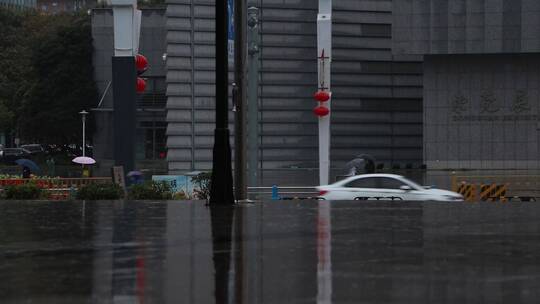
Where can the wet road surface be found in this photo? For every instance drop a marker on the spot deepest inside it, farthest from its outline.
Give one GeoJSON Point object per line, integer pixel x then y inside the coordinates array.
{"type": "Point", "coordinates": [272, 252]}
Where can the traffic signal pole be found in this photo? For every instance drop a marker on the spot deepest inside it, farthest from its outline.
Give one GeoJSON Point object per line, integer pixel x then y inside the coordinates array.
{"type": "Point", "coordinates": [324, 60]}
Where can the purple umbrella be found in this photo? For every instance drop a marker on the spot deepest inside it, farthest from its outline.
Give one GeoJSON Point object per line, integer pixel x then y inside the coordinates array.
{"type": "Point", "coordinates": [83, 160]}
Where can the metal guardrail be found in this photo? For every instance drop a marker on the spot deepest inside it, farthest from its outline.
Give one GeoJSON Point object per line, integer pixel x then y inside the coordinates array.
{"type": "Point", "coordinates": [56, 182]}
{"type": "Point", "coordinates": [284, 193]}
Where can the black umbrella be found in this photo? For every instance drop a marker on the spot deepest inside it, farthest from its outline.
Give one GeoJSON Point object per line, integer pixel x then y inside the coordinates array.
{"type": "Point", "coordinates": [367, 157]}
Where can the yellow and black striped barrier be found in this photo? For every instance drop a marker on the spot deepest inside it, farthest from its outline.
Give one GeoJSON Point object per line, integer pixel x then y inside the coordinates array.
{"type": "Point", "coordinates": [493, 192]}
{"type": "Point", "coordinates": [503, 188]}
{"type": "Point", "coordinates": [468, 191]}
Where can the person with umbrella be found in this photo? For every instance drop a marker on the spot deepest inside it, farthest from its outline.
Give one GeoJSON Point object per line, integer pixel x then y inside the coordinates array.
{"type": "Point", "coordinates": [26, 172]}
{"type": "Point", "coordinates": [361, 164]}
{"type": "Point", "coordinates": [28, 167]}
{"type": "Point", "coordinates": [84, 161]}
{"type": "Point", "coordinates": [136, 177]}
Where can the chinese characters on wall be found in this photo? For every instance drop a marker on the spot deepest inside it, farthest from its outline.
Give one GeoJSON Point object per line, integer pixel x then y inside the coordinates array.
{"type": "Point", "coordinates": [491, 108]}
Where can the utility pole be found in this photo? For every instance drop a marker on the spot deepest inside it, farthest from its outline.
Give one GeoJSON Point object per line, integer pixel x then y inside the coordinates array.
{"type": "Point", "coordinates": [253, 96]}
{"type": "Point", "coordinates": [240, 20]}
{"type": "Point", "coordinates": [221, 190]}
{"type": "Point", "coordinates": [324, 51]}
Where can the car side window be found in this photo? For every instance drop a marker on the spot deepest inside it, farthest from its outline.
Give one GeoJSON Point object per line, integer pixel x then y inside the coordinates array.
{"type": "Point", "coordinates": [390, 183]}
{"type": "Point", "coordinates": [362, 183]}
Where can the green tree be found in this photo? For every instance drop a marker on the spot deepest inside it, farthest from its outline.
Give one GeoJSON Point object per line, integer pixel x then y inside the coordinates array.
{"type": "Point", "coordinates": [63, 84]}
{"type": "Point", "coordinates": [46, 76]}
{"type": "Point", "coordinates": [15, 70]}
{"type": "Point", "coordinates": [6, 118]}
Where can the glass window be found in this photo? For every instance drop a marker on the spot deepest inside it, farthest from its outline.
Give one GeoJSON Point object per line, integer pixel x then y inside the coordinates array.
{"type": "Point", "coordinates": [160, 85]}
{"type": "Point", "coordinates": [369, 182]}
{"type": "Point", "coordinates": [376, 183]}
{"type": "Point", "coordinates": [152, 140]}
{"type": "Point", "coordinates": [155, 143]}
{"type": "Point", "coordinates": [154, 95]}
{"type": "Point", "coordinates": [390, 183]}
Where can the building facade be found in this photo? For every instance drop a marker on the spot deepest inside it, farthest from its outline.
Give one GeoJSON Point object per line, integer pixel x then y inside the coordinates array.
{"type": "Point", "coordinates": [481, 79]}
{"type": "Point", "coordinates": [151, 125]}
{"type": "Point", "coordinates": [377, 95]}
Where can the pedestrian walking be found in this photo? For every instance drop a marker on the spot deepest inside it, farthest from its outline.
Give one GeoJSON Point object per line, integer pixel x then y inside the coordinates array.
{"type": "Point", "coordinates": [51, 167]}
{"type": "Point", "coordinates": [26, 172]}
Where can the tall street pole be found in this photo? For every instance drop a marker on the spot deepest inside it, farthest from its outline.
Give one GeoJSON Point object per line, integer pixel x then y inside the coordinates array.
{"type": "Point", "coordinates": [221, 190]}
{"type": "Point", "coordinates": [253, 95]}
{"type": "Point", "coordinates": [324, 50]}
{"type": "Point", "coordinates": [240, 52]}
{"type": "Point", "coordinates": [83, 113]}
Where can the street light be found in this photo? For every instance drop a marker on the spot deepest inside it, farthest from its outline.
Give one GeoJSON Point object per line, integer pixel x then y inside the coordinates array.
{"type": "Point", "coordinates": [83, 113]}
{"type": "Point", "coordinates": [221, 190]}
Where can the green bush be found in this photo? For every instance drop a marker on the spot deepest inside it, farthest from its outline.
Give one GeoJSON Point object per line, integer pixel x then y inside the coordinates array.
{"type": "Point", "coordinates": [151, 190]}
{"type": "Point", "coordinates": [94, 192]}
{"type": "Point", "coordinates": [26, 191]}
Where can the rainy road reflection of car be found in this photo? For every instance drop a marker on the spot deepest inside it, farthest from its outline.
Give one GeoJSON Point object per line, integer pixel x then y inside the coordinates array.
{"type": "Point", "coordinates": [273, 252]}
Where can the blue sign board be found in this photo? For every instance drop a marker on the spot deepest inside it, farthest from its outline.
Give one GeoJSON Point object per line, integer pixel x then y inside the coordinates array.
{"type": "Point", "coordinates": [230, 29]}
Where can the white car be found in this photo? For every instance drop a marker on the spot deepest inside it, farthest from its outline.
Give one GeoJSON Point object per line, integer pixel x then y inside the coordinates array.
{"type": "Point", "coordinates": [384, 187]}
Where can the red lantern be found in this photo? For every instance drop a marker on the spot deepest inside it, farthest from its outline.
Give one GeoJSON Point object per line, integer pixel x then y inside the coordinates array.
{"type": "Point", "coordinates": [141, 62]}
{"type": "Point", "coordinates": [141, 85]}
{"type": "Point", "coordinates": [321, 111]}
{"type": "Point", "coordinates": [322, 96]}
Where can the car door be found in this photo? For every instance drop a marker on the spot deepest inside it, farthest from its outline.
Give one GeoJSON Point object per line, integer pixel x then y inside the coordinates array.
{"type": "Point", "coordinates": [390, 189]}
{"type": "Point", "coordinates": [361, 189]}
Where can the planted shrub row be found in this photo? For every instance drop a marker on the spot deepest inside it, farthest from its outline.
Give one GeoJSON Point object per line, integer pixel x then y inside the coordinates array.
{"type": "Point", "coordinates": [28, 191]}
{"type": "Point", "coordinates": [150, 190]}
{"type": "Point", "coordinates": [94, 192]}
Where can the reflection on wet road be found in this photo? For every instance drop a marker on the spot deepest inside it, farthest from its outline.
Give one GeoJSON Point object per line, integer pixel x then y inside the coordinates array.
{"type": "Point", "coordinates": [274, 252]}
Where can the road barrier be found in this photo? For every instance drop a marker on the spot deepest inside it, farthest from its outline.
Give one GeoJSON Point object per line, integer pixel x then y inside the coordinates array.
{"type": "Point", "coordinates": [284, 193]}
{"type": "Point", "coordinates": [493, 192]}
{"type": "Point", "coordinates": [497, 188]}
{"type": "Point", "coordinates": [468, 191]}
